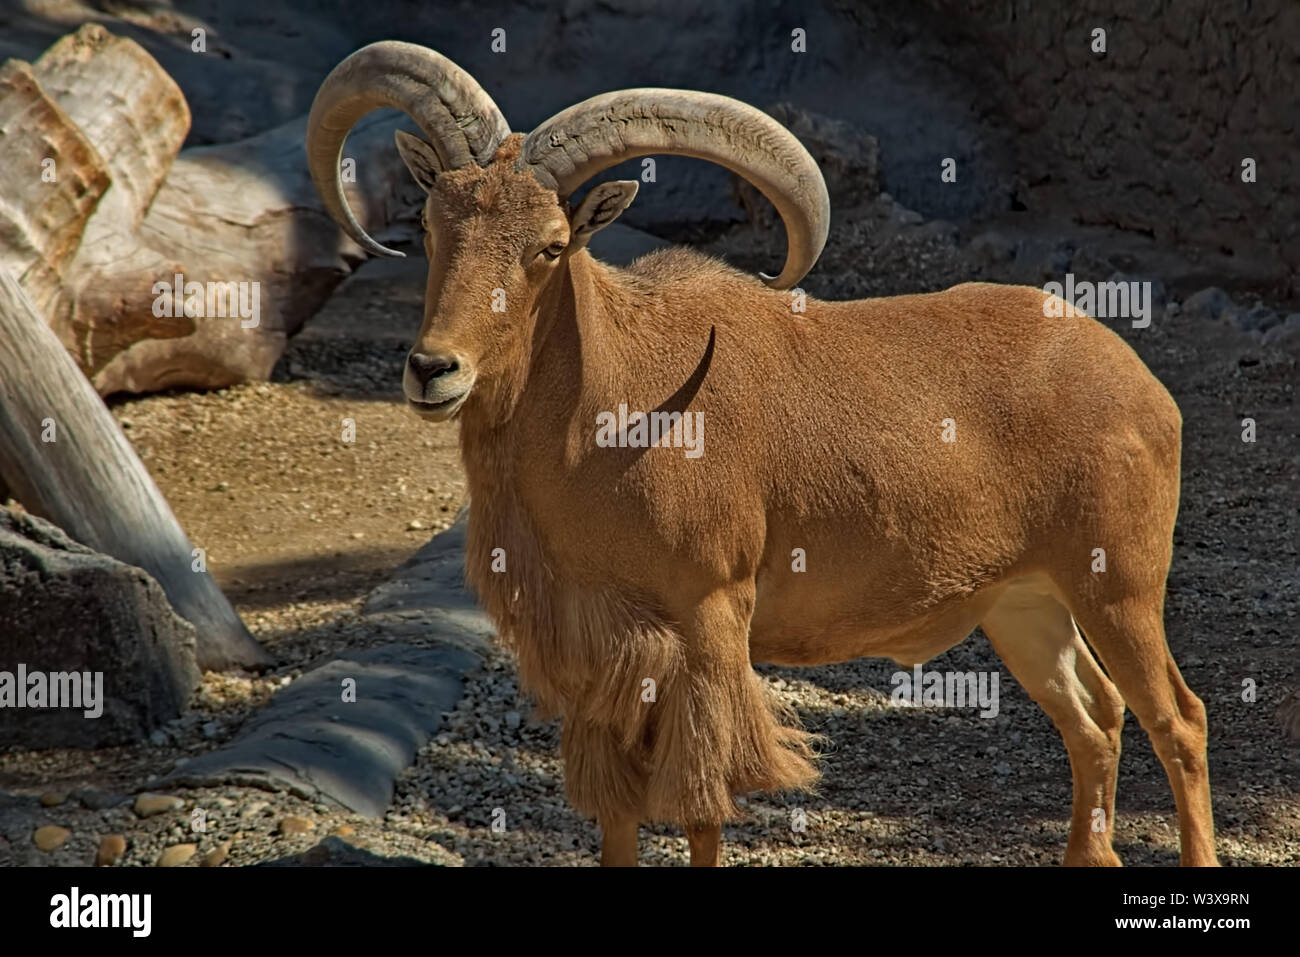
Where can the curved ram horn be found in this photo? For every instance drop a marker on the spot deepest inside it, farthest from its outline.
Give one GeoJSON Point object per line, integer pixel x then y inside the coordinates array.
{"type": "Point", "coordinates": [462, 123]}
{"type": "Point", "coordinates": [577, 143]}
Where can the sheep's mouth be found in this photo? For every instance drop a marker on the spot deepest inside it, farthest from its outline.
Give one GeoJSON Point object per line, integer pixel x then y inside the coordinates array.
{"type": "Point", "coordinates": [438, 411]}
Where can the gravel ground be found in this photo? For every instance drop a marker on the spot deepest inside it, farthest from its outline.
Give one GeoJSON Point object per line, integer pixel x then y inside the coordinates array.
{"type": "Point", "coordinates": [299, 527]}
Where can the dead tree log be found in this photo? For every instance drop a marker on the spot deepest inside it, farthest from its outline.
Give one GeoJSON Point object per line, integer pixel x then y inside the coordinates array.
{"type": "Point", "coordinates": [98, 216]}
{"type": "Point", "coordinates": [127, 106]}
{"type": "Point", "coordinates": [239, 218]}
{"type": "Point", "coordinates": [88, 480]}
{"type": "Point", "coordinates": [53, 179]}
{"type": "Point", "coordinates": [137, 118]}
{"type": "Point", "coordinates": [65, 459]}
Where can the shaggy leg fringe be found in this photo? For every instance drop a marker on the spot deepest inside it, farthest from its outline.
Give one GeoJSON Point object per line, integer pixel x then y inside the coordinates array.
{"type": "Point", "coordinates": [705, 743]}
{"type": "Point", "coordinates": [658, 723]}
{"type": "Point", "coordinates": [717, 739]}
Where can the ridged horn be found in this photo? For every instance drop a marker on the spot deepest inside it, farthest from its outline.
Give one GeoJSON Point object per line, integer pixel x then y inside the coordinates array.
{"type": "Point", "coordinates": [460, 120]}
{"type": "Point", "coordinates": [577, 143]}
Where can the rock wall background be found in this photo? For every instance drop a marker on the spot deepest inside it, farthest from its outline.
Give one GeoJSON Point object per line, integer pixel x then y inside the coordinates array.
{"type": "Point", "coordinates": [1148, 139]}
{"type": "Point", "coordinates": [1145, 141]}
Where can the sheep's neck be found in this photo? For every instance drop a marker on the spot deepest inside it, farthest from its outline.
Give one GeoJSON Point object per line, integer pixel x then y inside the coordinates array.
{"type": "Point", "coordinates": [571, 372]}
{"type": "Point", "coordinates": [507, 464]}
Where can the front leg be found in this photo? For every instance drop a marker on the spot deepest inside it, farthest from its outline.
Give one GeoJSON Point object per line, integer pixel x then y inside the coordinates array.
{"type": "Point", "coordinates": [607, 782]}
{"type": "Point", "coordinates": [706, 844]}
{"type": "Point", "coordinates": [719, 730]}
{"type": "Point", "coordinates": [618, 842]}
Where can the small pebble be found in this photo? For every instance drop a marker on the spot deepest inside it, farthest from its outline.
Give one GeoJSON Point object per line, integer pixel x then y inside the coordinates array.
{"type": "Point", "coordinates": [296, 825]}
{"type": "Point", "coordinates": [50, 837]}
{"type": "Point", "coordinates": [147, 805]}
{"type": "Point", "coordinates": [96, 800]}
{"type": "Point", "coordinates": [176, 855]}
{"type": "Point", "coordinates": [111, 849]}
{"type": "Point", "coordinates": [217, 856]}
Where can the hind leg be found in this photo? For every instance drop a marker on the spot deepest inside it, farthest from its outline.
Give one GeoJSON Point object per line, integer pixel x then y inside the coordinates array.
{"type": "Point", "coordinates": [1036, 638]}
{"type": "Point", "coordinates": [1129, 637]}
{"type": "Point", "coordinates": [1128, 505]}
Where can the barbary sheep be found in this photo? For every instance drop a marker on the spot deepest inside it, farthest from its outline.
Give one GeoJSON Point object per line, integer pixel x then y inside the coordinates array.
{"type": "Point", "coordinates": [869, 478]}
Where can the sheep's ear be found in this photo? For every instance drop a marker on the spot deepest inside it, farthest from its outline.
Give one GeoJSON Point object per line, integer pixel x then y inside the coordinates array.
{"type": "Point", "coordinates": [419, 158]}
{"type": "Point", "coordinates": [600, 207]}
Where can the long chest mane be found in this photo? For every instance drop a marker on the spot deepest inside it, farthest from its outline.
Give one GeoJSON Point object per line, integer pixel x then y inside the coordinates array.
{"type": "Point", "coordinates": [576, 644]}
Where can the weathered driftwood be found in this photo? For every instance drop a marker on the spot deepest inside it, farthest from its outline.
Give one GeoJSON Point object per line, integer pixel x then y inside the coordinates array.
{"type": "Point", "coordinates": [241, 213]}
{"type": "Point", "coordinates": [127, 106]}
{"type": "Point", "coordinates": [99, 218]}
{"type": "Point", "coordinates": [137, 119]}
{"type": "Point", "coordinates": [65, 459]}
{"type": "Point", "coordinates": [53, 178]}
{"type": "Point", "coordinates": [245, 214]}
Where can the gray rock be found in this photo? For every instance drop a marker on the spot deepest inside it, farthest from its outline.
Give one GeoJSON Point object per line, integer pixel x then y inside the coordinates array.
{"type": "Point", "coordinates": [318, 746]}
{"type": "Point", "coordinates": [65, 608]}
{"type": "Point", "coordinates": [1157, 287]}
{"type": "Point", "coordinates": [942, 230]}
{"type": "Point", "coordinates": [915, 78]}
{"type": "Point", "coordinates": [96, 800]}
{"type": "Point", "coordinates": [1210, 303]}
{"type": "Point", "coordinates": [1258, 318]}
{"type": "Point", "coordinates": [18, 818]}
{"type": "Point", "coordinates": [315, 745]}
{"type": "Point", "coordinates": [994, 247]}
{"type": "Point", "coordinates": [429, 590]}
{"type": "Point", "coordinates": [1039, 261]}
{"type": "Point", "coordinates": [335, 852]}
{"type": "Point", "coordinates": [849, 157]}
{"type": "Point", "coordinates": [1285, 335]}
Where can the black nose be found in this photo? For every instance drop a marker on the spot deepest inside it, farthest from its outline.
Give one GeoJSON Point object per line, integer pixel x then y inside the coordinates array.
{"type": "Point", "coordinates": [427, 368]}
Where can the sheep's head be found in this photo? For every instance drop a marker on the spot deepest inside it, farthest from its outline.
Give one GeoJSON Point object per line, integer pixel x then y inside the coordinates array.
{"type": "Point", "coordinates": [498, 225]}
{"type": "Point", "coordinates": [496, 239]}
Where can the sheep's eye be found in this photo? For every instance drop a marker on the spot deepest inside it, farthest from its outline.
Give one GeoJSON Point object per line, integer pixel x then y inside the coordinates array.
{"type": "Point", "coordinates": [553, 250]}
